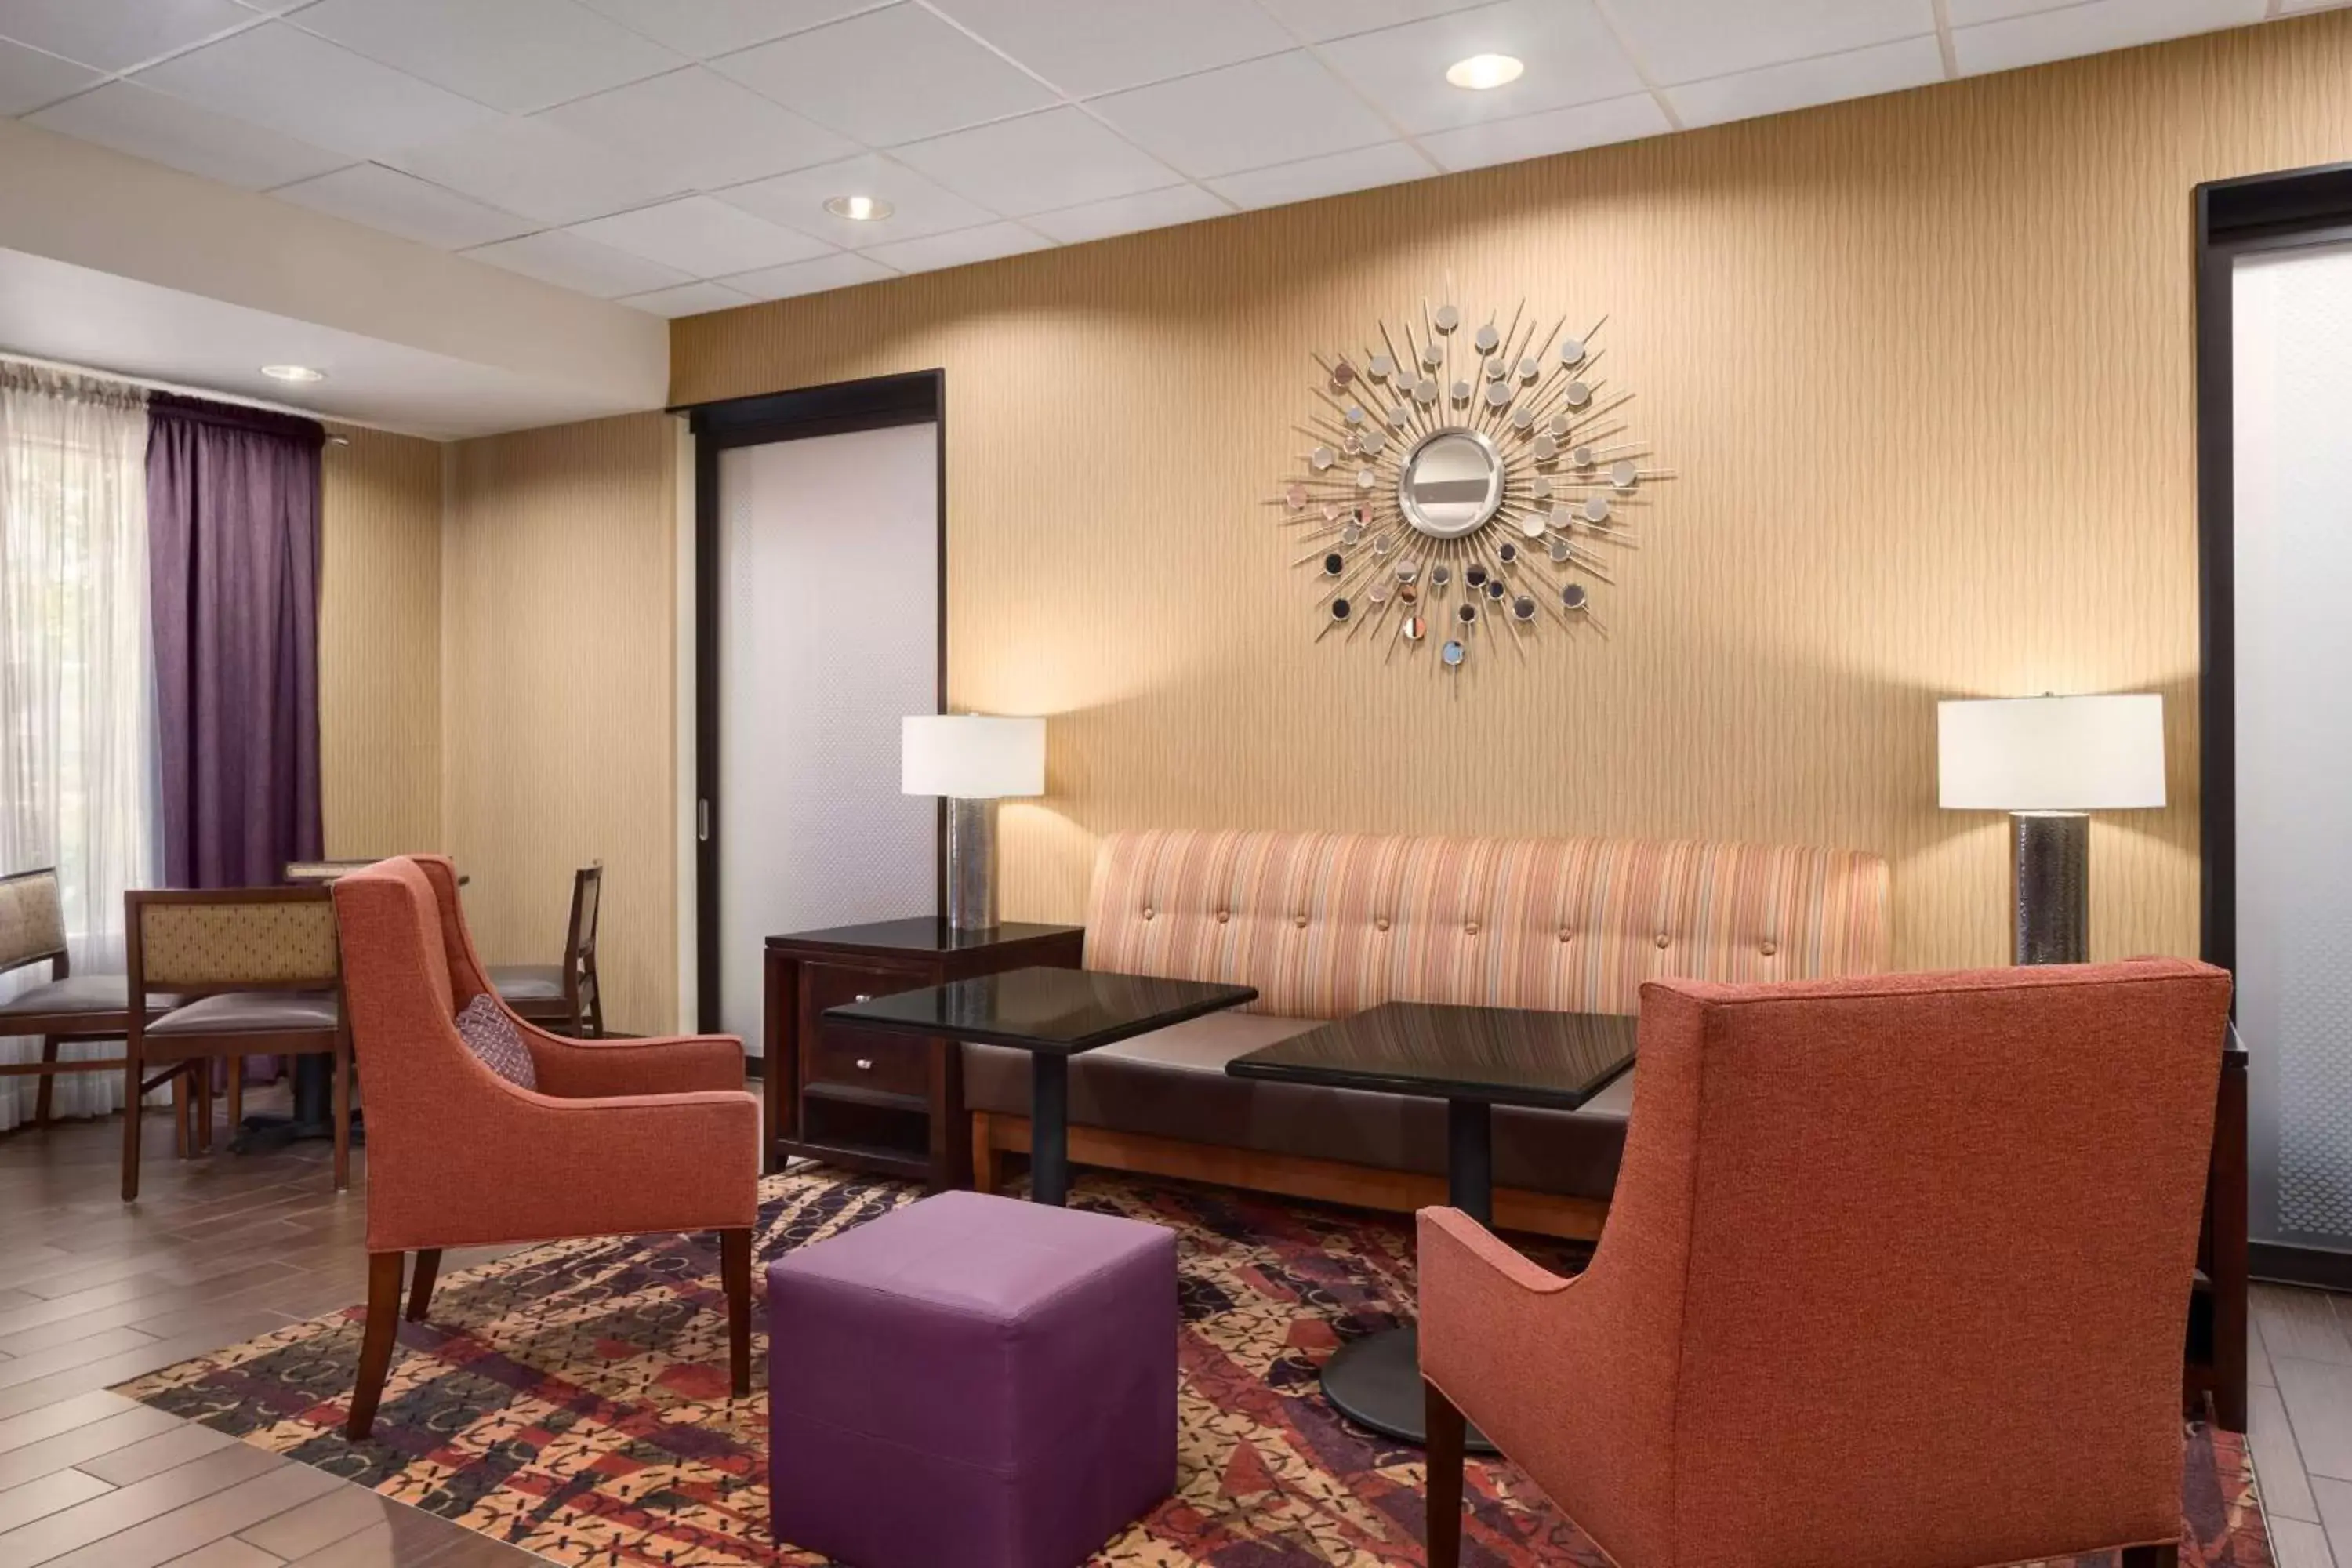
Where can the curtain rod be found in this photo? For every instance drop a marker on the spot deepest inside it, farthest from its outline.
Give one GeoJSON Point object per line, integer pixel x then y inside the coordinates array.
{"type": "Point", "coordinates": [151, 384]}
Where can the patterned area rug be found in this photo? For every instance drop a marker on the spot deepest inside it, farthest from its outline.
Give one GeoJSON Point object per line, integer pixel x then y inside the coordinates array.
{"type": "Point", "coordinates": [572, 1400]}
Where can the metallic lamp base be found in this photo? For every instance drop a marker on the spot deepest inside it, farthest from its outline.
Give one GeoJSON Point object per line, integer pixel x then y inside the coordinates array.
{"type": "Point", "coordinates": [2050, 859]}
{"type": "Point", "coordinates": [972, 865]}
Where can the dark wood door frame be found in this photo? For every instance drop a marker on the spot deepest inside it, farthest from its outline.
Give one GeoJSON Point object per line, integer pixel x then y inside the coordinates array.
{"type": "Point", "coordinates": [838, 408]}
{"type": "Point", "coordinates": [2292, 210]}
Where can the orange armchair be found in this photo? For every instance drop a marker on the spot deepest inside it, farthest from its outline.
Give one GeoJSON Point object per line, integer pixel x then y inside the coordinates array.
{"type": "Point", "coordinates": [622, 1136]}
{"type": "Point", "coordinates": [1898, 1271]}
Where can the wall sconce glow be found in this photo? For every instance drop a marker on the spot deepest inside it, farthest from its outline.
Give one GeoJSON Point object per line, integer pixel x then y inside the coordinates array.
{"type": "Point", "coordinates": [859, 209]}
{"type": "Point", "coordinates": [1481, 72]}
{"type": "Point", "coordinates": [292, 373]}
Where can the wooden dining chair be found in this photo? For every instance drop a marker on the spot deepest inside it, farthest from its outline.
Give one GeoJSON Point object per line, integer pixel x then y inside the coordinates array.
{"type": "Point", "coordinates": [564, 995]}
{"type": "Point", "coordinates": [255, 972]}
{"type": "Point", "coordinates": [67, 1008]}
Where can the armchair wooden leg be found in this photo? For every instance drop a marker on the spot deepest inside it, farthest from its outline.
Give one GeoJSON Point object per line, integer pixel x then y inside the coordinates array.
{"type": "Point", "coordinates": [735, 1273]}
{"type": "Point", "coordinates": [420, 1284]}
{"type": "Point", "coordinates": [1445, 1425]}
{"type": "Point", "coordinates": [47, 1099]}
{"type": "Point", "coordinates": [375, 1347]}
{"type": "Point", "coordinates": [2165, 1556]}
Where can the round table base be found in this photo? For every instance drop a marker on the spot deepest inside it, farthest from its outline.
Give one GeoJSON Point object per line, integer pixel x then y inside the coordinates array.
{"type": "Point", "coordinates": [1375, 1382]}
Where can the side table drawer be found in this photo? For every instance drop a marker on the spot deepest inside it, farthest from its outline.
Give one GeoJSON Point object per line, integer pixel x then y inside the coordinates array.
{"type": "Point", "coordinates": [858, 1059]}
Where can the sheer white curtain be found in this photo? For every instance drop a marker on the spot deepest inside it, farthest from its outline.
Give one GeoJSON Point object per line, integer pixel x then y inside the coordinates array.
{"type": "Point", "coordinates": [77, 746]}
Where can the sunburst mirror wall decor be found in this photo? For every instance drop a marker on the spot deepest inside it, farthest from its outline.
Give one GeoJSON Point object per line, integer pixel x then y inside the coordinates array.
{"type": "Point", "coordinates": [1465, 486]}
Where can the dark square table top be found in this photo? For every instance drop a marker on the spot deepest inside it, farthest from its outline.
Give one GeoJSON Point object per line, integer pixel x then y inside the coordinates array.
{"type": "Point", "coordinates": [1499, 1056]}
{"type": "Point", "coordinates": [923, 934]}
{"type": "Point", "coordinates": [1057, 1012]}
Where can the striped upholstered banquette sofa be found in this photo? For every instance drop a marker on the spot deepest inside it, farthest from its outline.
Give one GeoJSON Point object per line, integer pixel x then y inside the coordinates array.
{"type": "Point", "coordinates": [1326, 924]}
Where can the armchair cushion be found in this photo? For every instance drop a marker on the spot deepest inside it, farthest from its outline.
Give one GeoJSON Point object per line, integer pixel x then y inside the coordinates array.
{"type": "Point", "coordinates": [491, 1036]}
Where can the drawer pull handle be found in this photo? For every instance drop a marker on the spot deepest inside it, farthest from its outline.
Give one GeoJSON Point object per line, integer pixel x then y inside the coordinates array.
{"type": "Point", "coordinates": [866, 1064]}
{"type": "Point", "coordinates": [864, 996]}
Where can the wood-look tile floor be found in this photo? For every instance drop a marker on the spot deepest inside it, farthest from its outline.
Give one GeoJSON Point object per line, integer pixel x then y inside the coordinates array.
{"type": "Point", "coordinates": [92, 1291]}
{"type": "Point", "coordinates": [221, 1248]}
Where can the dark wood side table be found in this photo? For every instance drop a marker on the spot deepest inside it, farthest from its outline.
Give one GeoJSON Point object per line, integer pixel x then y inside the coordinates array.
{"type": "Point", "coordinates": [2216, 1362]}
{"type": "Point", "coordinates": [891, 1105]}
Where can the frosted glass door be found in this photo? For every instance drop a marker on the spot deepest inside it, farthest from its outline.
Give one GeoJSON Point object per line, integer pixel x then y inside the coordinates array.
{"type": "Point", "coordinates": [2293, 395]}
{"type": "Point", "coordinates": [828, 633]}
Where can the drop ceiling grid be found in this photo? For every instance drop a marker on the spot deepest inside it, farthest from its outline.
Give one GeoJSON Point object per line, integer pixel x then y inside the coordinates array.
{"type": "Point", "coordinates": [1148, 87]}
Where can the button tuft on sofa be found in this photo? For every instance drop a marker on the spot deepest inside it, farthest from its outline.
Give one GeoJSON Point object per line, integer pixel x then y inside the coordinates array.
{"type": "Point", "coordinates": [1148, 914]}
{"type": "Point", "coordinates": [1664, 941]}
{"type": "Point", "coordinates": [1767, 947]}
{"type": "Point", "coordinates": [1381, 923]}
{"type": "Point", "coordinates": [1471, 929]}
{"type": "Point", "coordinates": [1225, 915]}
{"type": "Point", "coordinates": [1299, 920]}
{"type": "Point", "coordinates": [1565, 934]}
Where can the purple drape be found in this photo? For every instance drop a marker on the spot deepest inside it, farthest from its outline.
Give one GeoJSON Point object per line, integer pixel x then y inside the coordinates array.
{"type": "Point", "coordinates": [233, 558]}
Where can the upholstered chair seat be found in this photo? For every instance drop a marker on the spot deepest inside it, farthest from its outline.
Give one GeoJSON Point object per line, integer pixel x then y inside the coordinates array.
{"type": "Point", "coordinates": [528, 982]}
{"type": "Point", "coordinates": [75, 994]}
{"type": "Point", "coordinates": [249, 1012]}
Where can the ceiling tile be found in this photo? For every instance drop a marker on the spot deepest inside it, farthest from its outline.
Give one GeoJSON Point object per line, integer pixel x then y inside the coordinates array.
{"type": "Point", "coordinates": [702, 237]}
{"type": "Point", "coordinates": [917, 206]}
{"type": "Point", "coordinates": [838, 271]}
{"type": "Point", "coordinates": [2087, 29]}
{"type": "Point", "coordinates": [563, 258]}
{"type": "Point", "coordinates": [1089, 47]}
{"type": "Point", "coordinates": [887, 77]}
{"type": "Point", "coordinates": [706, 27]}
{"type": "Point", "coordinates": [314, 91]}
{"type": "Point", "coordinates": [1039, 162]}
{"type": "Point", "coordinates": [1686, 40]}
{"type": "Point", "coordinates": [402, 205]}
{"type": "Point", "coordinates": [960, 248]}
{"type": "Point", "coordinates": [516, 54]}
{"type": "Point", "coordinates": [1126, 215]}
{"type": "Point", "coordinates": [1316, 20]}
{"type": "Point", "coordinates": [1386, 165]}
{"type": "Point", "coordinates": [701, 128]}
{"type": "Point", "coordinates": [1273, 111]}
{"type": "Point", "coordinates": [1540, 135]}
{"type": "Point", "coordinates": [531, 167]}
{"type": "Point", "coordinates": [164, 130]}
{"type": "Point", "coordinates": [687, 300]}
{"type": "Point", "coordinates": [1801, 84]}
{"type": "Point", "coordinates": [115, 35]}
{"type": "Point", "coordinates": [1571, 56]}
{"type": "Point", "coordinates": [30, 79]}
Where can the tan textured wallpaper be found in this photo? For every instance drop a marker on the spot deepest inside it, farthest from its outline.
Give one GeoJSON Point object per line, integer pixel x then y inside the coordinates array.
{"type": "Point", "coordinates": [380, 644]}
{"type": "Point", "coordinates": [557, 621]}
{"type": "Point", "coordinates": [1924, 363]}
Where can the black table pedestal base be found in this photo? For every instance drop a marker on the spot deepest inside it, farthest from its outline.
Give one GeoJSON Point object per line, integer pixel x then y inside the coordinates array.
{"type": "Point", "coordinates": [314, 1114]}
{"type": "Point", "coordinates": [1375, 1382]}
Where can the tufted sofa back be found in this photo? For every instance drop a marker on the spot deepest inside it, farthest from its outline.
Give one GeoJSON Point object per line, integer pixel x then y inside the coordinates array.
{"type": "Point", "coordinates": [1325, 924]}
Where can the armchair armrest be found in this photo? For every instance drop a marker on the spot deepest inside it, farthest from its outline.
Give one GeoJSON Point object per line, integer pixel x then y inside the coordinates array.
{"type": "Point", "coordinates": [523, 1166]}
{"type": "Point", "coordinates": [1486, 1314]}
{"type": "Point", "coordinates": [599, 1069]}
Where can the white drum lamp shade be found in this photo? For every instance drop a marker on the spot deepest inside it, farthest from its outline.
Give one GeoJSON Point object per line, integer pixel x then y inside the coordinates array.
{"type": "Point", "coordinates": [2048, 760]}
{"type": "Point", "coordinates": [969, 756]}
{"type": "Point", "coordinates": [2050, 753]}
{"type": "Point", "coordinates": [974, 761]}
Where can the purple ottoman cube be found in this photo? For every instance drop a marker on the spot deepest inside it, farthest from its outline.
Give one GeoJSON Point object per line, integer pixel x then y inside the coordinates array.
{"type": "Point", "coordinates": [971, 1382]}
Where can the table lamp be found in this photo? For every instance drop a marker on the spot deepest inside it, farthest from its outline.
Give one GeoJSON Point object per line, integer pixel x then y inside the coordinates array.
{"type": "Point", "coordinates": [2049, 762]}
{"type": "Point", "coordinates": [974, 761]}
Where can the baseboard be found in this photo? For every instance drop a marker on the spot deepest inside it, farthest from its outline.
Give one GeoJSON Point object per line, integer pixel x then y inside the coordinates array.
{"type": "Point", "coordinates": [2281, 1264]}
{"type": "Point", "coordinates": [1291, 1176]}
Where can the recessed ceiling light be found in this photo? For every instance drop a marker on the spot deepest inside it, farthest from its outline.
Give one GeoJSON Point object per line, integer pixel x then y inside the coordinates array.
{"type": "Point", "coordinates": [860, 209]}
{"type": "Point", "coordinates": [292, 373]}
{"type": "Point", "coordinates": [1480, 72]}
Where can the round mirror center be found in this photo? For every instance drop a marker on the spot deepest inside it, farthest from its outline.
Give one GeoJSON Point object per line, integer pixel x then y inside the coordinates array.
{"type": "Point", "coordinates": [1450, 483]}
